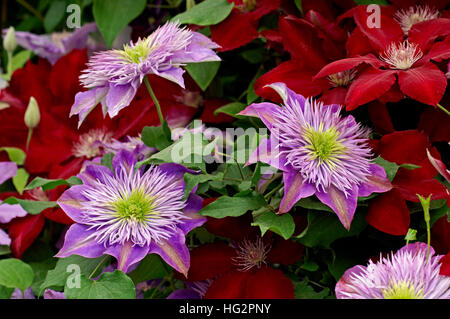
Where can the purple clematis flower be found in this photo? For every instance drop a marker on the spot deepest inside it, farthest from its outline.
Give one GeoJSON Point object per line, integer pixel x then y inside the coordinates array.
{"type": "Point", "coordinates": [7, 171]}
{"type": "Point", "coordinates": [128, 213]}
{"type": "Point", "coordinates": [319, 153]}
{"type": "Point", "coordinates": [52, 47]}
{"type": "Point", "coordinates": [7, 213]}
{"type": "Point", "coordinates": [407, 274]}
{"type": "Point", "coordinates": [114, 76]}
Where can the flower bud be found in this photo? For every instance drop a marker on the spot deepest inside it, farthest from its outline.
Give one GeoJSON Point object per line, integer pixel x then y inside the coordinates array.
{"type": "Point", "coordinates": [9, 41]}
{"type": "Point", "coordinates": [32, 114]}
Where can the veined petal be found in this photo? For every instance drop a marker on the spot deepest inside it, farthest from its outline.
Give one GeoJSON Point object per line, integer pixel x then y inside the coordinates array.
{"type": "Point", "coordinates": [377, 182]}
{"type": "Point", "coordinates": [295, 188]}
{"type": "Point", "coordinates": [439, 166]}
{"type": "Point", "coordinates": [127, 254]}
{"type": "Point", "coordinates": [267, 152]}
{"type": "Point", "coordinates": [79, 241]}
{"type": "Point", "coordinates": [7, 170]}
{"type": "Point", "coordinates": [343, 206]}
{"type": "Point", "coordinates": [174, 74]}
{"type": "Point", "coordinates": [265, 111]}
{"type": "Point", "coordinates": [9, 212]}
{"type": "Point", "coordinates": [174, 252]}
{"type": "Point", "coordinates": [70, 203]}
{"type": "Point", "coordinates": [193, 205]}
{"type": "Point", "coordinates": [120, 96]}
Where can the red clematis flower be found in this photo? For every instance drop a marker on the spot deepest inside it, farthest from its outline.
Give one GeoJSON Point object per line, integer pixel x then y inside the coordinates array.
{"type": "Point", "coordinates": [312, 42]}
{"type": "Point", "coordinates": [58, 148]}
{"type": "Point", "coordinates": [241, 26]}
{"type": "Point", "coordinates": [389, 65]}
{"type": "Point", "coordinates": [388, 212]}
{"type": "Point", "coordinates": [243, 271]}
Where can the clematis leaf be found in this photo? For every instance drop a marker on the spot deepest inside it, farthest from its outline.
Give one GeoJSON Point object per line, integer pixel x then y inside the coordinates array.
{"type": "Point", "coordinates": [203, 73]}
{"type": "Point", "coordinates": [282, 225]}
{"type": "Point", "coordinates": [390, 167]}
{"type": "Point", "coordinates": [208, 12]}
{"type": "Point", "coordinates": [232, 206]}
{"type": "Point", "coordinates": [149, 268]}
{"type": "Point", "coordinates": [14, 273]}
{"type": "Point", "coordinates": [112, 16]}
{"type": "Point", "coordinates": [33, 207]}
{"type": "Point", "coordinates": [20, 180]}
{"type": "Point", "coordinates": [111, 285]}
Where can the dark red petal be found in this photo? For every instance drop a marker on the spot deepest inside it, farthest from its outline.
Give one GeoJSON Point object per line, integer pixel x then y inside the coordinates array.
{"type": "Point", "coordinates": [405, 4]}
{"type": "Point", "coordinates": [436, 126]}
{"type": "Point", "coordinates": [298, 80]}
{"type": "Point", "coordinates": [285, 252]}
{"type": "Point", "coordinates": [301, 40]}
{"type": "Point", "coordinates": [210, 106]}
{"type": "Point", "coordinates": [230, 285]}
{"type": "Point", "coordinates": [64, 76]}
{"type": "Point", "coordinates": [210, 260]}
{"type": "Point", "coordinates": [347, 64]}
{"type": "Point", "coordinates": [410, 187]}
{"type": "Point", "coordinates": [388, 213]}
{"type": "Point", "coordinates": [264, 7]}
{"type": "Point", "coordinates": [357, 44]}
{"type": "Point", "coordinates": [439, 51]}
{"type": "Point", "coordinates": [380, 117]}
{"type": "Point", "coordinates": [334, 96]}
{"type": "Point", "coordinates": [445, 265]}
{"type": "Point", "coordinates": [236, 228]}
{"type": "Point", "coordinates": [380, 37]}
{"type": "Point", "coordinates": [23, 231]}
{"type": "Point", "coordinates": [425, 83]}
{"type": "Point", "coordinates": [234, 31]}
{"type": "Point", "coordinates": [368, 86]}
{"type": "Point", "coordinates": [268, 283]}
{"type": "Point", "coordinates": [404, 147]}
{"type": "Point", "coordinates": [424, 33]}
{"type": "Point", "coordinates": [440, 236]}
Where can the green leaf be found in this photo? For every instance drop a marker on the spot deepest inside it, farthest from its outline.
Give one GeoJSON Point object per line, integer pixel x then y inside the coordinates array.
{"type": "Point", "coordinates": [15, 154]}
{"type": "Point", "coordinates": [40, 270]}
{"type": "Point", "coordinates": [208, 12]}
{"type": "Point", "coordinates": [20, 180]}
{"type": "Point", "coordinates": [48, 184]}
{"type": "Point", "coordinates": [57, 277]}
{"type": "Point", "coordinates": [324, 228]}
{"type": "Point", "coordinates": [312, 203]}
{"type": "Point", "coordinates": [231, 109]}
{"type": "Point", "coordinates": [5, 292]}
{"type": "Point", "coordinates": [14, 273]}
{"type": "Point", "coordinates": [107, 160]}
{"type": "Point", "coordinates": [193, 180]}
{"type": "Point", "coordinates": [298, 4]}
{"type": "Point", "coordinates": [232, 206]}
{"type": "Point", "coordinates": [149, 268]}
{"type": "Point", "coordinates": [155, 136]}
{"type": "Point", "coordinates": [54, 15]}
{"type": "Point", "coordinates": [341, 264]}
{"type": "Point", "coordinates": [364, 2]}
{"type": "Point", "coordinates": [112, 16]}
{"type": "Point", "coordinates": [203, 73]}
{"type": "Point", "coordinates": [111, 285]}
{"type": "Point", "coordinates": [409, 166]}
{"type": "Point", "coordinates": [282, 225]}
{"type": "Point", "coordinates": [304, 291]}
{"type": "Point", "coordinates": [20, 59]}
{"type": "Point", "coordinates": [411, 235]}
{"type": "Point", "coordinates": [33, 207]}
{"type": "Point", "coordinates": [390, 168]}
{"type": "Point", "coordinates": [4, 250]}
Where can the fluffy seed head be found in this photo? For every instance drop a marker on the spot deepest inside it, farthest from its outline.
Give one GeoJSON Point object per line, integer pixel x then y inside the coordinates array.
{"type": "Point", "coordinates": [251, 254]}
{"type": "Point", "coordinates": [343, 78]}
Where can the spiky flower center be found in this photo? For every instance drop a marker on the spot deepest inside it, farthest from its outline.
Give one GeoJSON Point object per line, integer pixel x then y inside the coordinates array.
{"type": "Point", "coordinates": [408, 18]}
{"type": "Point", "coordinates": [251, 254]}
{"type": "Point", "coordinates": [323, 145]}
{"type": "Point", "coordinates": [87, 144]}
{"type": "Point", "coordinates": [401, 55]}
{"type": "Point", "coordinates": [402, 290]}
{"type": "Point", "coordinates": [138, 52]}
{"type": "Point", "coordinates": [137, 206]}
{"type": "Point", "coordinates": [343, 78]}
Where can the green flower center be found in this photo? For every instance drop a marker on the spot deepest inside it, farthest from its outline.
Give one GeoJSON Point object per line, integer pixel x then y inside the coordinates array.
{"type": "Point", "coordinates": [323, 145]}
{"type": "Point", "coordinates": [402, 290]}
{"type": "Point", "coordinates": [137, 206]}
{"type": "Point", "coordinates": [137, 53]}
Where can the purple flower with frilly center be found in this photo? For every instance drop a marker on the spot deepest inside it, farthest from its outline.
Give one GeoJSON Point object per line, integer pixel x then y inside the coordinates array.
{"type": "Point", "coordinates": [114, 76]}
{"type": "Point", "coordinates": [407, 274]}
{"type": "Point", "coordinates": [129, 213]}
{"type": "Point", "coordinates": [318, 151]}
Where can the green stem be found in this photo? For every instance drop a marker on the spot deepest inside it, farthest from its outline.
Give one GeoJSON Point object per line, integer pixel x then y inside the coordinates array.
{"type": "Point", "coordinates": [9, 65]}
{"type": "Point", "coordinates": [31, 9]}
{"type": "Point", "coordinates": [152, 94]}
{"type": "Point", "coordinates": [443, 109]}
{"type": "Point", "coordinates": [240, 169]}
{"type": "Point", "coordinates": [98, 266]}
{"type": "Point", "coordinates": [269, 194]}
{"type": "Point", "coordinates": [30, 133]}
